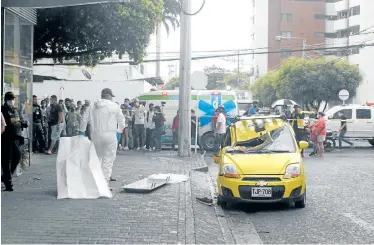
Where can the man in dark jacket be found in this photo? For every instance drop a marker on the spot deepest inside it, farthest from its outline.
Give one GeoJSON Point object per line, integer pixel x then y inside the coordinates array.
{"type": "Point", "coordinates": [38, 138]}
{"type": "Point", "coordinates": [11, 139]}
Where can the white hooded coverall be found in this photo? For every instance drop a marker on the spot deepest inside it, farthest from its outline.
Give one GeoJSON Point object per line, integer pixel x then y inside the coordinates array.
{"type": "Point", "coordinates": [106, 119]}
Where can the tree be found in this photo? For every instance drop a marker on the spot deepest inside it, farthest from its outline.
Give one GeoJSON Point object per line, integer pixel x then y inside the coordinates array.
{"type": "Point", "coordinates": [264, 88]}
{"type": "Point", "coordinates": [309, 80]}
{"type": "Point", "coordinates": [170, 14]}
{"type": "Point", "coordinates": [232, 80]}
{"type": "Point", "coordinates": [91, 33]}
{"type": "Point", "coordinates": [216, 76]}
{"type": "Point", "coordinates": [172, 84]}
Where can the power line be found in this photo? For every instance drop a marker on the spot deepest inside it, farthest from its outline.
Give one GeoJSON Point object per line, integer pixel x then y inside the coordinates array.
{"type": "Point", "coordinates": [220, 56]}
{"type": "Point", "coordinates": [207, 51]}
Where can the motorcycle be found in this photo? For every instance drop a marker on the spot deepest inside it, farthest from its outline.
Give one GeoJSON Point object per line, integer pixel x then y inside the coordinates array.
{"type": "Point", "coordinates": [329, 143]}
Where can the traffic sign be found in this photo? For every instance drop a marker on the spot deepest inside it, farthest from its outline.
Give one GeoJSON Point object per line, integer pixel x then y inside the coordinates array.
{"type": "Point", "coordinates": [343, 95]}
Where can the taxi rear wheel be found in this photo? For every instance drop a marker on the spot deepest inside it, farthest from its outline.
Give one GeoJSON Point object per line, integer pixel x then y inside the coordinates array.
{"type": "Point", "coordinates": [371, 142]}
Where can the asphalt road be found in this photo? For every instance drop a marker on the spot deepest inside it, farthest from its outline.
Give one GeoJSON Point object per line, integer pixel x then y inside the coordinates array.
{"type": "Point", "coordinates": [340, 204]}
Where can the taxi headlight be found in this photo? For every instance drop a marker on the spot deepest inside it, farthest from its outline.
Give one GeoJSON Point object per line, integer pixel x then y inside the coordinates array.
{"type": "Point", "coordinates": [292, 171]}
{"type": "Point", "coordinates": [230, 171]}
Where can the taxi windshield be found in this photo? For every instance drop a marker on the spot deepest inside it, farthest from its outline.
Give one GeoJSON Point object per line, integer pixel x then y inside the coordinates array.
{"type": "Point", "coordinates": [279, 140]}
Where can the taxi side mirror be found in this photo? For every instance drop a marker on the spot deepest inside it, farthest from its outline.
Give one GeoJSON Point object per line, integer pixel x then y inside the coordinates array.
{"type": "Point", "coordinates": [216, 159]}
{"type": "Point", "coordinates": [303, 145]}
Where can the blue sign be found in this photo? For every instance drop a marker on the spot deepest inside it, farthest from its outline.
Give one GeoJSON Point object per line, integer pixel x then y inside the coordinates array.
{"type": "Point", "coordinates": [216, 100]}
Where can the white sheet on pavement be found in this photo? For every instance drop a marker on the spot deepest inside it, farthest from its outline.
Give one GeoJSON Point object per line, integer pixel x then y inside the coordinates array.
{"type": "Point", "coordinates": [79, 173]}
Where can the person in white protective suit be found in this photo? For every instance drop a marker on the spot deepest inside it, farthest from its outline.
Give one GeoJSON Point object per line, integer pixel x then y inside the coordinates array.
{"type": "Point", "coordinates": [106, 119]}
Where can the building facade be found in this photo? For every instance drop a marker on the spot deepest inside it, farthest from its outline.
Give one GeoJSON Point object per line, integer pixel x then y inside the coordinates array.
{"type": "Point", "coordinates": [285, 25]}
{"type": "Point", "coordinates": [17, 50]}
{"type": "Point", "coordinates": [351, 22]}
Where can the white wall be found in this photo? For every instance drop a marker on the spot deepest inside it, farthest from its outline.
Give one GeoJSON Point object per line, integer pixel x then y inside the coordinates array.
{"type": "Point", "coordinates": [90, 90]}
{"type": "Point", "coordinates": [365, 59]}
{"type": "Point", "coordinates": [261, 31]}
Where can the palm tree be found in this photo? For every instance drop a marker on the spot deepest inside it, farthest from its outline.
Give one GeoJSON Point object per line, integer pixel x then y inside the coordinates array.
{"type": "Point", "coordinates": [171, 14]}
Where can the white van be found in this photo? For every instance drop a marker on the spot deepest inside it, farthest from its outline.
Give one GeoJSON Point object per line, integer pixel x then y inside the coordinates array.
{"type": "Point", "coordinates": [204, 102]}
{"type": "Point", "coordinates": [360, 121]}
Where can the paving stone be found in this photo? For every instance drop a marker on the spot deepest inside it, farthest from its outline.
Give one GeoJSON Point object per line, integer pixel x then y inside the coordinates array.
{"type": "Point", "coordinates": [32, 214]}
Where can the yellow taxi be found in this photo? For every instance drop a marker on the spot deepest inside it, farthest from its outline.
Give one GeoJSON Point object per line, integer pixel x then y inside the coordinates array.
{"type": "Point", "coordinates": [261, 162]}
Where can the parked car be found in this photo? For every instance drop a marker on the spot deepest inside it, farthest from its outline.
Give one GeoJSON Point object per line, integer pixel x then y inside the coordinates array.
{"type": "Point", "coordinates": [360, 121]}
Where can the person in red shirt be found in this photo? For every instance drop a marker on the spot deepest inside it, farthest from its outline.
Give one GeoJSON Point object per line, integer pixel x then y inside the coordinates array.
{"type": "Point", "coordinates": [174, 129]}
{"type": "Point", "coordinates": [320, 131]}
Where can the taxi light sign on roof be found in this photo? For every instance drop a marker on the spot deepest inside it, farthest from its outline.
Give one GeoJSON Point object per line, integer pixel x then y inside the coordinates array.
{"type": "Point", "coordinates": [164, 93]}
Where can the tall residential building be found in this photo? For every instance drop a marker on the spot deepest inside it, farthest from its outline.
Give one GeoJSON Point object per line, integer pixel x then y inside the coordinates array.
{"type": "Point", "coordinates": [350, 22]}
{"type": "Point", "coordinates": [284, 25]}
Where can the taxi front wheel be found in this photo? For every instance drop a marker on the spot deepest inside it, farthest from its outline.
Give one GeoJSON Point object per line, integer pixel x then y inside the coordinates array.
{"type": "Point", "coordinates": [223, 204]}
{"type": "Point", "coordinates": [301, 203]}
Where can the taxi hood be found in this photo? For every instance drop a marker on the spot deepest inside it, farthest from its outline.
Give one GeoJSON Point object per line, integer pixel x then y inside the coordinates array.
{"type": "Point", "coordinates": [261, 163]}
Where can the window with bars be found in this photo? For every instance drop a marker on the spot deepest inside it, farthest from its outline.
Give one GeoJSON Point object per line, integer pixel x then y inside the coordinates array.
{"type": "Point", "coordinates": [286, 53]}
{"type": "Point", "coordinates": [286, 17]}
{"type": "Point", "coordinates": [286, 34]}
{"type": "Point", "coordinates": [320, 16]}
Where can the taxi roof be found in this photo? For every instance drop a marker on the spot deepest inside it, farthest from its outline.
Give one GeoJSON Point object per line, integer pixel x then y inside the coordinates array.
{"type": "Point", "coordinates": [244, 128]}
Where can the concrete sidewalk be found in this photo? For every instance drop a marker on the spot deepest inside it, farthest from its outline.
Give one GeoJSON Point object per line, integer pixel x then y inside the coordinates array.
{"type": "Point", "coordinates": [32, 214]}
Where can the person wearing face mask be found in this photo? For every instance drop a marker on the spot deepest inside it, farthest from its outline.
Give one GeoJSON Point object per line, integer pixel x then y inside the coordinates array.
{"type": "Point", "coordinates": [139, 121]}
{"type": "Point", "coordinates": [298, 125]}
{"type": "Point", "coordinates": [87, 105]}
{"type": "Point", "coordinates": [38, 122]}
{"type": "Point", "coordinates": [43, 109]}
{"type": "Point", "coordinates": [106, 120]}
{"type": "Point", "coordinates": [56, 122]}
{"type": "Point", "coordinates": [150, 127]}
{"type": "Point", "coordinates": [342, 130]}
{"type": "Point", "coordinates": [11, 139]}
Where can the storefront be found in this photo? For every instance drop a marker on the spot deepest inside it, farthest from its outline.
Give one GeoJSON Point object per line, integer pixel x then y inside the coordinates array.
{"type": "Point", "coordinates": [17, 47]}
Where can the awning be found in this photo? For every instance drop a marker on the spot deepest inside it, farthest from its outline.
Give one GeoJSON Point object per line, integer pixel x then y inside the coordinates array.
{"type": "Point", "coordinates": [50, 3]}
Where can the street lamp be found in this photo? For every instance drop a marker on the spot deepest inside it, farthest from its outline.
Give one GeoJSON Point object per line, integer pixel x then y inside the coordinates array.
{"type": "Point", "coordinates": [279, 38]}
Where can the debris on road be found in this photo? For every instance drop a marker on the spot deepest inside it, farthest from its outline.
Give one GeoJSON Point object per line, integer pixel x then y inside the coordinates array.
{"type": "Point", "coordinates": [153, 182]}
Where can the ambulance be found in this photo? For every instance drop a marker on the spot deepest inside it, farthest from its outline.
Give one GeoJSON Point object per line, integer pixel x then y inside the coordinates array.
{"type": "Point", "coordinates": [204, 102]}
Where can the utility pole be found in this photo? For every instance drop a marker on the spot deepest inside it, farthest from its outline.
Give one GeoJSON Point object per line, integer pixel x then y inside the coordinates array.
{"type": "Point", "coordinates": [158, 50]}
{"type": "Point", "coordinates": [184, 131]}
{"type": "Point", "coordinates": [304, 47]}
{"type": "Point", "coordinates": [238, 67]}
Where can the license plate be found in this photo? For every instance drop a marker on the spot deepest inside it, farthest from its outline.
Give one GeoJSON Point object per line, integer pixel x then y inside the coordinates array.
{"type": "Point", "coordinates": [261, 191]}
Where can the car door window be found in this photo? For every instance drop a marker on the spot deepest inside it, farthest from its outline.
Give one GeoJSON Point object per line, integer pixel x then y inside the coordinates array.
{"type": "Point", "coordinates": [347, 113]}
{"type": "Point", "coordinates": [363, 113]}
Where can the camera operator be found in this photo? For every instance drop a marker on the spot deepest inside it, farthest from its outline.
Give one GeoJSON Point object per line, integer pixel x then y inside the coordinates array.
{"type": "Point", "coordinates": [11, 140]}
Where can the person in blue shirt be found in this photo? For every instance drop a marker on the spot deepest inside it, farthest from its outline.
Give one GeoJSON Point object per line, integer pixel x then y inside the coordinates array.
{"type": "Point", "coordinates": [253, 109]}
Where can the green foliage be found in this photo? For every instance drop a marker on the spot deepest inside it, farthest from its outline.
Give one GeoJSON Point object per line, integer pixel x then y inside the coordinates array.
{"type": "Point", "coordinates": [232, 80]}
{"type": "Point", "coordinates": [93, 32]}
{"type": "Point", "coordinates": [172, 84]}
{"type": "Point", "coordinates": [170, 14]}
{"type": "Point", "coordinates": [308, 80]}
{"type": "Point", "coordinates": [216, 77]}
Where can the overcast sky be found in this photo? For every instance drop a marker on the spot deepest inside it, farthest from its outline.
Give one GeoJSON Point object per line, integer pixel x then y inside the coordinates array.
{"type": "Point", "coordinates": [221, 25]}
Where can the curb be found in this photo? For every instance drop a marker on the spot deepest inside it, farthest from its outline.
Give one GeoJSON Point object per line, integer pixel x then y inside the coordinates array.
{"type": "Point", "coordinates": [222, 221]}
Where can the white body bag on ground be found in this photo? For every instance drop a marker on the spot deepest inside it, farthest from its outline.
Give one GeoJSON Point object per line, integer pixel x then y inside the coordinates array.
{"type": "Point", "coordinates": [79, 173]}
